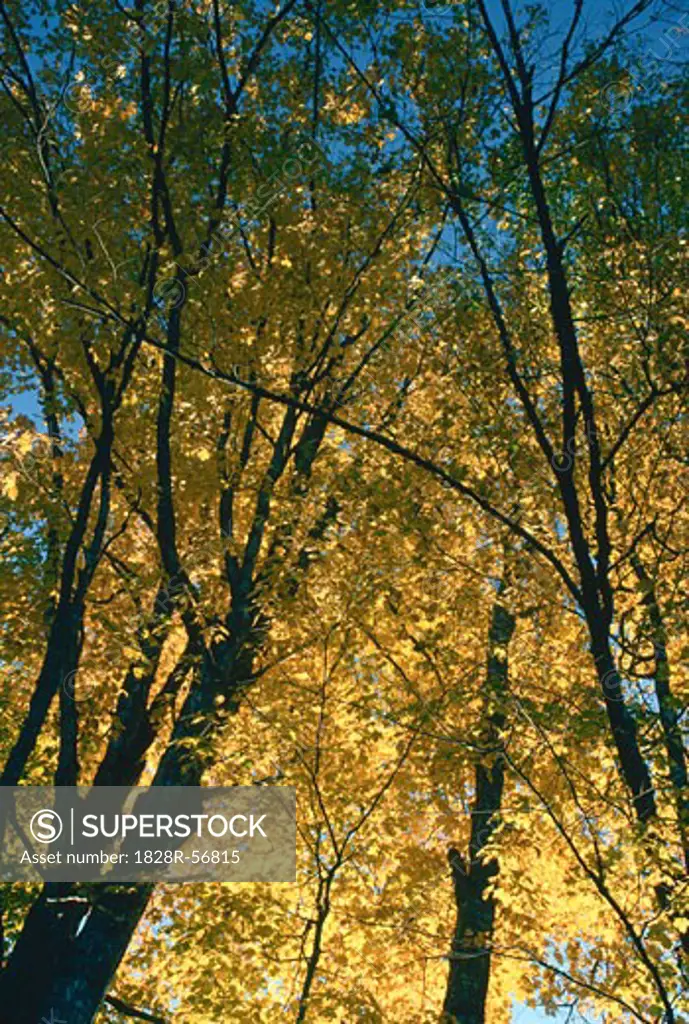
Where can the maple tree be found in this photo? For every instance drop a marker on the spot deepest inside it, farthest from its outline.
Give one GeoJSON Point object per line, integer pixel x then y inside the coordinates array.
{"type": "Point", "coordinates": [355, 334]}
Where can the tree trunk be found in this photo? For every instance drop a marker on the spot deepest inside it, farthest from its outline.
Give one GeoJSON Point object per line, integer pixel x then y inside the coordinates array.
{"type": "Point", "coordinates": [71, 944]}
{"type": "Point", "coordinates": [467, 984]}
{"type": "Point", "coordinates": [60, 662]}
{"type": "Point", "coordinates": [668, 706]}
{"type": "Point", "coordinates": [634, 769]}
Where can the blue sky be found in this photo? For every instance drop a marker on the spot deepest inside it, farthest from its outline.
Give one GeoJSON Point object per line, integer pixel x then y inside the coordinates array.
{"type": "Point", "coordinates": [523, 1015]}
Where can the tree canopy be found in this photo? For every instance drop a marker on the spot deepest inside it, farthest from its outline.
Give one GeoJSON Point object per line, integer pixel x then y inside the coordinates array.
{"type": "Point", "coordinates": [343, 396]}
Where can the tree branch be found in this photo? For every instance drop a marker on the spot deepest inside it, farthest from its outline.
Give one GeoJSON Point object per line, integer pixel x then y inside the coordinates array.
{"type": "Point", "coordinates": [131, 1011]}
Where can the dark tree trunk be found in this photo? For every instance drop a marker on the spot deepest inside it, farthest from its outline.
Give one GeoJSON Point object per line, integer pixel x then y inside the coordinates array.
{"type": "Point", "coordinates": [60, 662]}
{"type": "Point", "coordinates": [61, 976]}
{"type": "Point", "coordinates": [669, 713]}
{"type": "Point", "coordinates": [634, 769]}
{"type": "Point", "coordinates": [668, 706]}
{"type": "Point", "coordinates": [72, 943]}
{"type": "Point", "coordinates": [467, 985]}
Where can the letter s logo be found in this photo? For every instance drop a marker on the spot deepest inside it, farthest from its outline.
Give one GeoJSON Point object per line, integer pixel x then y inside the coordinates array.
{"type": "Point", "coordinates": [46, 826]}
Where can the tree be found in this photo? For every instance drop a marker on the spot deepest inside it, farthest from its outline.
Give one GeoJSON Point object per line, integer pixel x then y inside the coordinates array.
{"type": "Point", "coordinates": [286, 437]}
